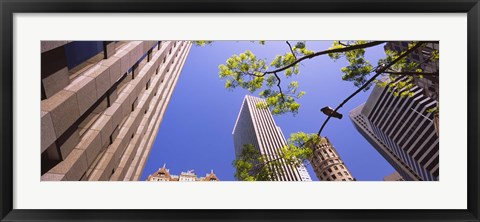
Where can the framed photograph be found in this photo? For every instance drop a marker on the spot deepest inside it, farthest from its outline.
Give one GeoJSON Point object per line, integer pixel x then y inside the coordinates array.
{"type": "Point", "coordinates": [261, 111]}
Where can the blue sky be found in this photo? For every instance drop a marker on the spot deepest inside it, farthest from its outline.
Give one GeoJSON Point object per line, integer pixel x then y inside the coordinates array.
{"type": "Point", "coordinates": [196, 131]}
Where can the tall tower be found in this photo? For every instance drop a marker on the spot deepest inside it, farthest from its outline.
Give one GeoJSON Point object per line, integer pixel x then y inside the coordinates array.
{"type": "Point", "coordinates": [102, 103]}
{"type": "Point", "coordinates": [402, 131]}
{"type": "Point", "coordinates": [256, 126]}
{"type": "Point", "coordinates": [327, 164]}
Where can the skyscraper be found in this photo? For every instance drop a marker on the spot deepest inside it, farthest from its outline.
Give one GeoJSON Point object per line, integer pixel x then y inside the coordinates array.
{"type": "Point", "coordinates": [256, 126]}
{"type": "Point", "coordinates": [401, 130]}
{"type": "Point", "coordinates": [422, 56]}
{"type": "Point", "coordinates": [327, 164]}
{"type": "Point", "coordinates": [102, 103]}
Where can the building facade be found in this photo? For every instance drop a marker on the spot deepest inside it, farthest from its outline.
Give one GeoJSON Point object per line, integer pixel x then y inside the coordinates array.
{"type": "Point", "coordinates": [256, 126]}
{"type": "Point", "coordinates": [163, 174]}
{"type": "Point", "coordinates": [101, 105]}
{"type": "Point", "coordinates": [422, 56]}
{"type": "Point", "coordinates": [393, 177]}
{"type": "Point", "coordinates": [327, 164]}
{"type": "Point", "coordinates": [402, 131]}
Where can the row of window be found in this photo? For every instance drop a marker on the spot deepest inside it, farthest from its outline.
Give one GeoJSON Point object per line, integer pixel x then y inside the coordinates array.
{"type": "Point", "coordinates": [89, 117]}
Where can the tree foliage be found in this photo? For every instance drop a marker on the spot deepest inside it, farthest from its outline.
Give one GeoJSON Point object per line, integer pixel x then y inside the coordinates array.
{"type": "Point", "coordinates": [271, 79]}
{"type": "Point", "coordinates": [251, 165]}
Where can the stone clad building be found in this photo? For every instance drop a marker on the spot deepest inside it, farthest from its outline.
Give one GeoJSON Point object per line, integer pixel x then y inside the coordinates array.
{"type": "Point", "coordinates": [101, 105]}
{"type": "Point", "coordinates": [327, 164]}
{"type": "Point", "coordinates": [163, 174]}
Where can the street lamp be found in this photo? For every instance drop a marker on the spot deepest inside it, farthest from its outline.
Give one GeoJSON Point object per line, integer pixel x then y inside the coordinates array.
{"type": "Point", "coordinates": [329, 111]}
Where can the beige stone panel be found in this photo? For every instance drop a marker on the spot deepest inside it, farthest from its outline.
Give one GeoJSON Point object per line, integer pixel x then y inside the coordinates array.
{"type": "Point", "coordinates": [134, 53]}
{"type": "Point", "coordinates": [85, 89]}
{"type": "Point", "coordinates": [152, 70]}
{"type": "Point", "coordinates": [102, 78]}
{"type": "Point", "coordinates": [109, 170]}
{"type": "Point", "coordinates": [118, 149]}
{"type": "Point", "coordinates": [97, 175]}
{"type": "Point", "coordinates": [128, 89]}
{"type": "Point", "coordinates": [125, 63]}
{"type": "Point", "coordinates": [115, 132]}
{"type": "Point", "coordinates": [73, 167]}
{"type": "Point", "coordinates": [155, 85]}
{"type": "Point", "coordinates": [115, 111]}
{"type": "Point", "coordinates": [123, 132]}
{"type": "Point", "coordinates": [49, 45]}
{"type": "Point", "coordinates": [110, 49]}
{"type": "Point", "coordinates": [92, 144]}
{"type": "Point", "coordinates": [114, 64]}
{"type": "Point", "coordinates": [107, 161]}
{"type": "Point", "coordinates": [137, 89]}
{"type": "Point", "coordinates": [79, 168]}
{"type": "Point", "coordinates": [63, 108]}
{"type": "Point", "coordinates": [156, 61]}
{"type": "Point", "coordinates": [69, 143]}
{"type": "Point", "coordinates": [147, 45]}
{"type": "Point", "coordinates": [104, 125]}
{"type": "Point", "coordinates": [53, 177]}
{"type": "Point", "coordinates": [56, 82]}
{"type": "Point", "coordinates": [124, 109]}
{"type": "Point", "coordinates": [113, 96]}
{"type": "Point", "coordinates": [48, 132]}
{"type": "Point", "coordinates": [136, 122]}
{"type": "Point", "coordinates": [117, 175]}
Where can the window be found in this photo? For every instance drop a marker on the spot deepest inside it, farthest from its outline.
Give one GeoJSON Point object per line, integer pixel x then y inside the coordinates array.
{"type": "Point", "coordinates": [339, 174]}
{"type": "Point", "coordinates": [147, 85]}
{"type": "Point", "coordinates": [345, 172]}
{"type": "Point", "coordinates": [334, 177]}
{"type": "Point", "coordinates": [330, 170]}
{"type": "Point", "coordinates": [77, 52]}
{"type": "Point", "coordinates": [335, 167]}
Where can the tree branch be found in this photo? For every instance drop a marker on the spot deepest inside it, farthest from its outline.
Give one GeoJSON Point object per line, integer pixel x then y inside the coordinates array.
{"type": "Point", "coordinates": [279, 87]}
{"type": "Point", "coordinates": [378, 72]}
{"type": "Point", "coordinates": [291, 50]}
{"type": "Point", "coordinates": [354, 47]}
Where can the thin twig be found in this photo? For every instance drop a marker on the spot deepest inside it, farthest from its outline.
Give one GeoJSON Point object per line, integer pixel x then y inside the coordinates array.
{"type": "Point", "coordinates": [291, 50]}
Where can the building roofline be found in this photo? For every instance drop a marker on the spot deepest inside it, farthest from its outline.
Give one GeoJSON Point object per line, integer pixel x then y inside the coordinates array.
{"type": "Point", "coordinates": [239, 113]}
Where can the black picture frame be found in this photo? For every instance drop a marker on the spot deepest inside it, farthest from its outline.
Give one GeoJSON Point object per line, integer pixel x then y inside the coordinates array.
{"type": "Point", "coordinates": [9, 7]}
